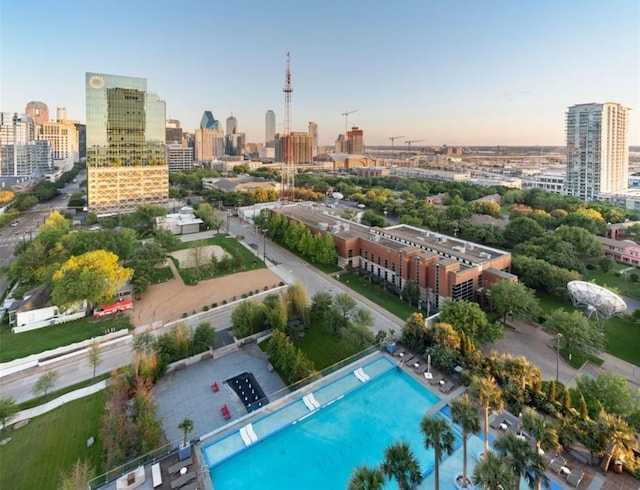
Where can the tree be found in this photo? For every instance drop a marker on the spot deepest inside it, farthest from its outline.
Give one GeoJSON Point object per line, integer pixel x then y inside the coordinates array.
{"type": "Point", "coordinates": [206, 213]}
{"type": "Point", "coordinates": [94, 356]}
{"type": "Point", "coordinates": [439, 436]}
{"type": "Point", "coordinates": [204, 337]}
{"type": "Point", "coordinates": [94, 276]}
{"type": "Point", "coordinates": [542, 431]}
{"type": "Point", "coordinates": [44, 383]}
{"type": "Point", "coordinates": [515, 298]}
{"type": "Point", "coordinates": [411, 292]}
{"type": "Point", "coordinates": [468, 317]}
{"type": "Point", "coordinates": [522, 459]}
{"type": "Point", "coordinates": [346, 306]}
{"type": "Point", "coordinates": [618, 438]}
{"type": "Point", "coordinates": [485, 390]}
{"type": "Point", "coordinates": [143, 342]}
{"type": "Point", "coordinates": [248, 318]}
{"type": "Point", "coordinates": [365, 478]}
{"type": "Point", "coordinates": [492, 473]}
{"type": "Point", "coordinates": [612, 391]}
{"type": "Point", "coordinates": [77, 478]}
{"type": "Point", "coordinates": [8, 410]}
{"type": "Point", "coordinates": [464, 414]}
{"type": "Point", "coordinates": [522, 229]}
{"type": "Point", "coordinates": [297, 302]}
{"type": "Point", "coordinates": [400, 463]}
{"type": "Point", "coordinates": [186, 426]}
{"type": "Point", "coordinates": [606, 263]}
{"type": "Point", "coordinates": [577, 331]}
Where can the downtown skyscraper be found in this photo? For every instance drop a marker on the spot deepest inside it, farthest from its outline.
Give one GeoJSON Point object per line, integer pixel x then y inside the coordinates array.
{"type": "Point", "coordinates": [597, 149]}
{"type": "Point", "coordinates": [269, 128]}
{"type": "Point", "coordinates": [126, 151]}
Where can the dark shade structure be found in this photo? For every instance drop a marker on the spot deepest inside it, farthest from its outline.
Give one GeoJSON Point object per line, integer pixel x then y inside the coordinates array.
{"type": "Point", "coordinates": [248, 390]}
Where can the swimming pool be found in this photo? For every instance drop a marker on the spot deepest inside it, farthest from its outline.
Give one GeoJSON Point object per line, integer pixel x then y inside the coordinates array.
{"type": "Point", "coordinates": [321, 450]}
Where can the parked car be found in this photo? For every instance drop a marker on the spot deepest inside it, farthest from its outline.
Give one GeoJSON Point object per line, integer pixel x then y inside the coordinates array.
{"type": "Point", "coordinates": [15, 223]}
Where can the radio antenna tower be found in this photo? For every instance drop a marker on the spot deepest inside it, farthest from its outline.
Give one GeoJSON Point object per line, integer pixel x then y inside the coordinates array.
{"type": "Point", "coordinates": [288, 167]}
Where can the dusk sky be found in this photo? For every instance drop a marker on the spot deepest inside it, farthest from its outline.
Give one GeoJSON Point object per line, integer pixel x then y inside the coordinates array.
{"type": "Point", "coordinates": [449, 72]}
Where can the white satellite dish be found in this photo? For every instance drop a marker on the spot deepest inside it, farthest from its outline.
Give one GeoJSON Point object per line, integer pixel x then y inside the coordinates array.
{"type": "Point", "coordinates": [337, 196]}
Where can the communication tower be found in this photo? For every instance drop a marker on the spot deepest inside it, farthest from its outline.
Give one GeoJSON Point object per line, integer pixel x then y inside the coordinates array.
{"type": "Point", "coordinates": [287, 192]}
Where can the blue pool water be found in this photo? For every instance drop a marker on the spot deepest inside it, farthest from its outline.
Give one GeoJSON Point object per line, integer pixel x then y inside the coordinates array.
{"type": "Point", "coordinates": [321, 450]}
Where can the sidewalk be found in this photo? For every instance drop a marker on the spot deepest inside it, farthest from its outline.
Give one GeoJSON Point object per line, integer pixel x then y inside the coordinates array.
{"type": "Point", "coordinates": [611, 363]}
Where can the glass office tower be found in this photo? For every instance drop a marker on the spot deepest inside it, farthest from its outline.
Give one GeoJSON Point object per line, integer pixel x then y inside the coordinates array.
{"type": "Point", "coordinates": [126, 155]}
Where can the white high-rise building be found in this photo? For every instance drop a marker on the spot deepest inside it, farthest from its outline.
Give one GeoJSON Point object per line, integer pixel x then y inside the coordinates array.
{"type": "Point", "coordinates": [270, 128]}
{"type": "Point", "coordinates": [597, 149]}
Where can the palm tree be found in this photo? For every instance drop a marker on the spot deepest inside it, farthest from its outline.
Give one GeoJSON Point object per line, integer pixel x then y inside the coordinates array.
{"type": "Point", "coordinates": [465, 415]}
{"type": "Point", "coordinates": [400, 463]}
{"type": "Point", "coordinates": [187, 426]}
{"type": "Point", "coordinates": [365, 478]}
{"type": "Point", "coordinates": [439, 436]}
{"type": "Point", "coordinates": [543, 432]}
{"type": "Point", "coordinates": [617, 436]}
{"type": "Point", "coordinates": [522, 459]}
{"type": "Point", "coordinates": [489, 395]}
{"type": "Point", "coordinates": [492, 473]}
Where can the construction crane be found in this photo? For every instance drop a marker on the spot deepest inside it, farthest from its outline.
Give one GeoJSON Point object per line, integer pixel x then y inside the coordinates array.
{"type": "Point", "coordinates": [393, 138]}
{"type": "Point", "coordinates": [346, 120]}
{"type": "Point", "coordinates": [408, 142]}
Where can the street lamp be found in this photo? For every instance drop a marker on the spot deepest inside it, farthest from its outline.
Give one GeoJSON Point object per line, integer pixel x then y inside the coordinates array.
{"type": "Point", "coordinates": [558, 337]}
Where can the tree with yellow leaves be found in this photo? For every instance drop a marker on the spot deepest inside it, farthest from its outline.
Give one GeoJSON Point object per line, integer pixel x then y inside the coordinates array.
{"type": "Point", "coordinates": [95, 276]}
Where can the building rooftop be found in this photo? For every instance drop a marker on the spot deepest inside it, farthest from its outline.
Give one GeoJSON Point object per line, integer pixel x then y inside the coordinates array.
{"type": "Point", "coordinates": [398, 237]}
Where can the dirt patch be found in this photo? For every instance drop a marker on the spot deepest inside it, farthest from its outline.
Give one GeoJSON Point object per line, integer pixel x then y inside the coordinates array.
{"type": "Point", "coordinates": [167, 302]}
{"type": "Point", "coordinates": [185, 257]}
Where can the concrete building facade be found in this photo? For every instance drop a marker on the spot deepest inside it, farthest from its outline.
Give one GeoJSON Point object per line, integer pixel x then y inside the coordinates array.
{"type": "Point", "coordinates": [21, 153]}
{"type": "Point", "coordinates": [597, 149]}
{"type": "Point", "coordinates": [126, 151]}
{"type": "Point", "coordinates": [38, 111]}
{"type": "Point", "coordinates": [179, 158]}
{"type": "Point", "coordinates": [355, 140]}
{"type": "Point", "coordinates": [300, 146]}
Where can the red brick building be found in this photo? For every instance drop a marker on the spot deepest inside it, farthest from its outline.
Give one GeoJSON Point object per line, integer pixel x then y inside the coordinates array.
{"type": "Point", "coordinates": [444, 267]}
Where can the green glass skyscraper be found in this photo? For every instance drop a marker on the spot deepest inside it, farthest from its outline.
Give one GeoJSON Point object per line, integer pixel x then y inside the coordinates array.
{"type": "Point", "coordinates": [126, 155]}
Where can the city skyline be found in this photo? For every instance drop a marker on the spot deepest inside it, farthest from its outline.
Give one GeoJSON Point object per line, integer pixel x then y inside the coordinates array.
{"type": "Point", "coordinates": [456, 74]}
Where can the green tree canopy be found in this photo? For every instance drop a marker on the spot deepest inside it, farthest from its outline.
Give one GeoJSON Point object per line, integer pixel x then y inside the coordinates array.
{"type": "Point", "coordinates": [576, 330]}
{"type": "Point", "coordinates": [514, 297]}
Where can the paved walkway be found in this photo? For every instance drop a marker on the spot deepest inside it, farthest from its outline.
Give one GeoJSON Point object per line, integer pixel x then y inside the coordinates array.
{"type": "Point", "coordinates": [567, 373]}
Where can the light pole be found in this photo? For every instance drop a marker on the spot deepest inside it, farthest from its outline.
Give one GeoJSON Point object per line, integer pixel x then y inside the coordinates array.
{"type": "Point", "coordinates": [558, 337]}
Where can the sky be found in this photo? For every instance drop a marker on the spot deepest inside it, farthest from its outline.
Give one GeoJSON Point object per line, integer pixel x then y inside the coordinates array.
{"type": "Point", "coordinates": [452, 72]}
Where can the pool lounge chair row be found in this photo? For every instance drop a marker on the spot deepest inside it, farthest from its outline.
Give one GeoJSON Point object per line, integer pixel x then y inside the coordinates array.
{"type": "Point", "coordinates": [575, 477]}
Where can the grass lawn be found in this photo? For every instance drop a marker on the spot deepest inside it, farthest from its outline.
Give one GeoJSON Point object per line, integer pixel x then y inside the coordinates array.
{"type": "Point", "coordinates": [378, 294]}
{"type": "Point", "coordinates": [248, 260]}
{"type": "Point", "coordinates": [325, 348]}
{"type": "Point", "coordinates": [15, 346]}
{"type": "Point", "coordinates": [34, 402]}
{"type": "Point", "coordinates": [623, 337]}
{"type": "Point", "coordinates": [51, 443]}
{"type": "Point", "coordinates": [621, 284]}
{"type": "Point", "coordinates": [161, 274]}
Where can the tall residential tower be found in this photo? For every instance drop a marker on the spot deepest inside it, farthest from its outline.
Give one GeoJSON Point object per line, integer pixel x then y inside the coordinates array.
{"type": "Point", "coordinates": [597, 149]}
{"type": "Point", "coordinates": [126, 154]}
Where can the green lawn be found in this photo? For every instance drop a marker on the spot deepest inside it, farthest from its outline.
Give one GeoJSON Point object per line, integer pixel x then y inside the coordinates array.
{"type": "Point", "coordinates": [623, 337]}
{"type": "Point", "coordinates": [378, 294]}
{"type": "Point", "coordinates": [248, 260]}
{"type": "Point", "coordinates": [324, 348]}
{"type": "Point", "coordinates": [15, 346]}
{"type": "Point", "coordinates": [51, 443]}
{"type": "Point", "coordinates": [34, 402]}
{"type": "Point", "coordinates": [621, 284]}
{"type": "Point", "coordinates": [161, 274]}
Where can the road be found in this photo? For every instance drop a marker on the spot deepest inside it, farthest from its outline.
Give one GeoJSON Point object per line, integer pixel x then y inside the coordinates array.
{"type": "Point", "coordinates": [289, 267]}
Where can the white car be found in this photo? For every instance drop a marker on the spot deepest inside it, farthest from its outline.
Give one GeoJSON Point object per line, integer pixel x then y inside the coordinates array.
{"type": "Point", "coordinates": [15, 223]}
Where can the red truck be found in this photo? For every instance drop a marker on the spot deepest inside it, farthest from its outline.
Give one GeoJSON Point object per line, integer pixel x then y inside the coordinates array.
{"type": "Point", "coordinates": [105, 310]}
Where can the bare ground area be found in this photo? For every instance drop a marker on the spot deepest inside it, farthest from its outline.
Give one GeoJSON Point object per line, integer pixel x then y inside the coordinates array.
{"type": "Point", "coordinates": [185, 257]}
{"type": "Point", "coordinates": [167, 302]}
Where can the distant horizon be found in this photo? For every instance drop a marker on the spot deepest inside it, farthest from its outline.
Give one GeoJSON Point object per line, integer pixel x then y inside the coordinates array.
{"type": "Point", "coordinates": [460, 74]}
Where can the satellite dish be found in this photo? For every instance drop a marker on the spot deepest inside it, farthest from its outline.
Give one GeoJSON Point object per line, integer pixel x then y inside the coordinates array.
{"type": "Point", "coordinates": [337, 196]}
